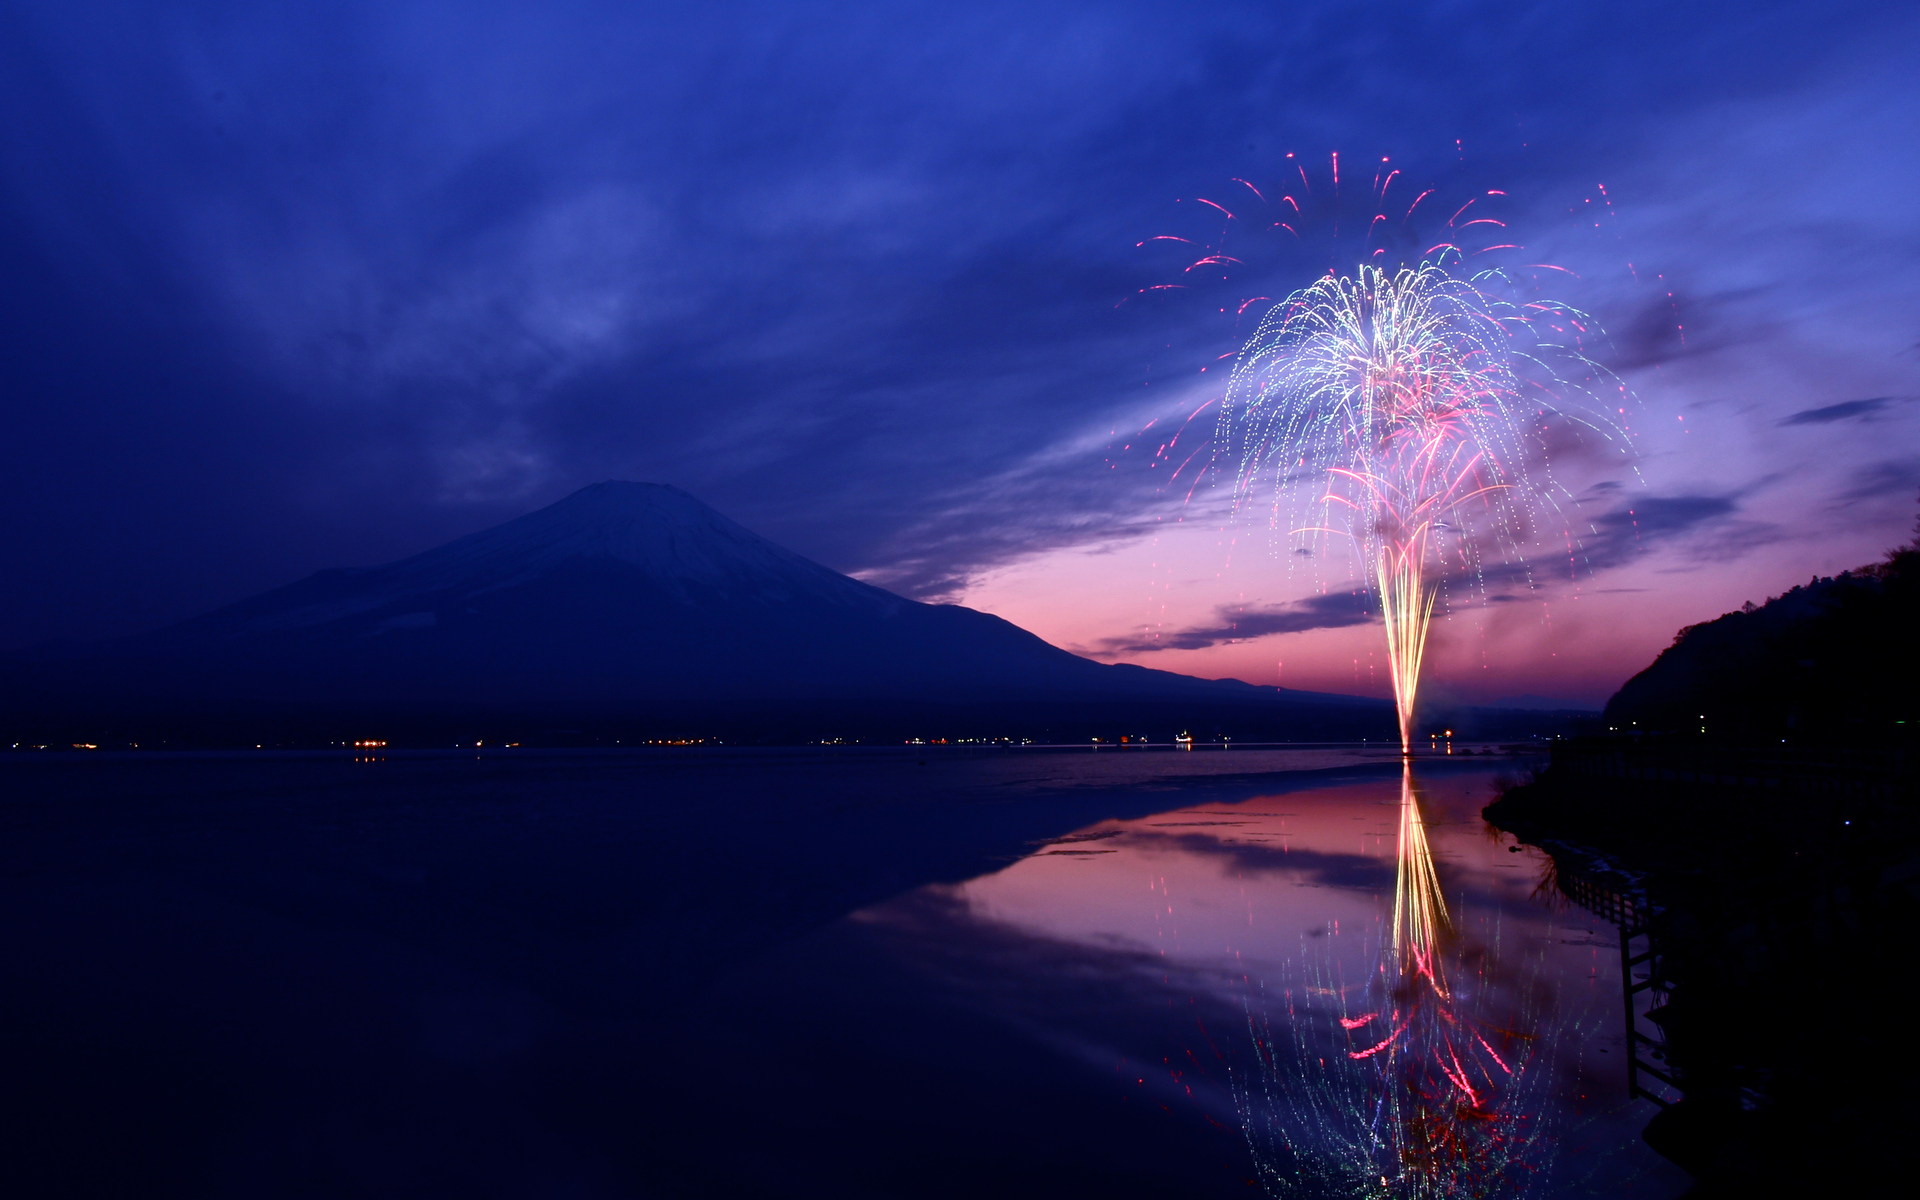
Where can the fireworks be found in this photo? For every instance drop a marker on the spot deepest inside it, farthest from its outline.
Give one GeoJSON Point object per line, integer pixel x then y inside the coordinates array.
{"type": "Point", "coordinates": [1411, 410]}
{"type": "Point", "coordinates": [1417, 404]}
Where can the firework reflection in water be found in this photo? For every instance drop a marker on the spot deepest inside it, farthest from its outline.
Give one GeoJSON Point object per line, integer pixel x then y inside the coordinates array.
{"type": "Point", "coordinates": [1434, 1077]}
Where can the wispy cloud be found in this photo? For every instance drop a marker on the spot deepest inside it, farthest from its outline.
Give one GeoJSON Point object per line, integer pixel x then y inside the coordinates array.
{"type": "Point", "coordinates": [1333, 610]}
{"type": "Point", "coordinates": [1845, 411]}
{"type": "Point", "coordinates": [1880, 480]}
{"type": "Point", "coordinates": [1709, 527]}
{"type": "Point", "coordinates": [1639, 527]}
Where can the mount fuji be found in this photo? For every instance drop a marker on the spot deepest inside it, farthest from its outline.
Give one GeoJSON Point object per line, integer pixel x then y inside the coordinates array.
{"type": "Point", "coordinates": [625, 602]}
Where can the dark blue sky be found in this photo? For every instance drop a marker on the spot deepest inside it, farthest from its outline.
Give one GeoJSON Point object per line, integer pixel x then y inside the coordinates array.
{"type": "Point", "coordinates": [295, 286]}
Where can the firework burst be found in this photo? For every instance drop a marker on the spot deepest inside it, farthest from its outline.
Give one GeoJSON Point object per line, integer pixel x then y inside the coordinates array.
{"type": "Point", "coordinates": [1412, 409]}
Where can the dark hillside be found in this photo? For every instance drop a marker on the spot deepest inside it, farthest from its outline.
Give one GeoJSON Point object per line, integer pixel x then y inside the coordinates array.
{"type": "Point", "coordinates": [1832, 661]}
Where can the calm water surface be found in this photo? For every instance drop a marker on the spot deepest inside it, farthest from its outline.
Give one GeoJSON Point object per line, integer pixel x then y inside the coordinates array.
{"type": "Point", "coordinates": [871, 974]}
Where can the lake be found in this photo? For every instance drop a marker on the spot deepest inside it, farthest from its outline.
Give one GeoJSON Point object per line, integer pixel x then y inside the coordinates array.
{"type": "Point", "coordinates": [917, 972]}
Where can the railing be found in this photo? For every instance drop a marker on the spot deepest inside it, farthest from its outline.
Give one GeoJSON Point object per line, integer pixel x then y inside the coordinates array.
{"type": "Point", "coordinates": [1602, 900]}
{"type": "Point", "coordinates": [1627, 906]}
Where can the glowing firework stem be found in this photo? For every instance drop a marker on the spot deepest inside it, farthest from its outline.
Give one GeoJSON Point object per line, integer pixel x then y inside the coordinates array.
{"type": "Point", "coordinates": [1407, 605]}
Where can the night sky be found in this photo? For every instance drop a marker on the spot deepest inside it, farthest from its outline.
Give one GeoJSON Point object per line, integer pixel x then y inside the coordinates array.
{"type": "Point", "coordinates": [298, 286]}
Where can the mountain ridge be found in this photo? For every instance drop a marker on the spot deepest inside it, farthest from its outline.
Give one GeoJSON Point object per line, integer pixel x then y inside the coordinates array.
{"type": "Point", "coordinates": [621, 599]}
{"type": "Point", "coordinates": [656, 527]}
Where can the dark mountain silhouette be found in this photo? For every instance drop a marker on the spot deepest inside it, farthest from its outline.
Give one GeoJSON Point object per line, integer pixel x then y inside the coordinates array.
{"type": "Point", "coordinates": [626, 602]}
{"type": "Point", "coordinates": [1831, 661]}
